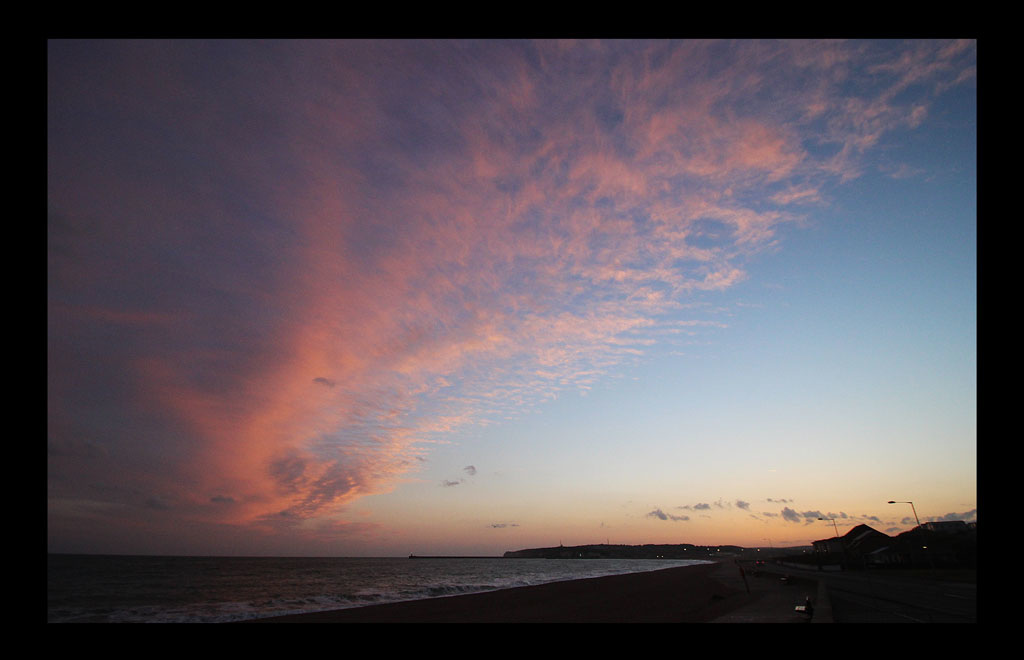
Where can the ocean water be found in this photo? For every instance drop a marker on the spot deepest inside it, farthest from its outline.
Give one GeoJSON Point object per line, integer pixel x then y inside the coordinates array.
{"type": "Point", "coordinates": [131, 589]}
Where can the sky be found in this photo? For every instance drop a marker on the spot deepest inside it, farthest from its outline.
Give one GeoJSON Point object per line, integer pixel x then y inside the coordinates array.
{"type": "Point", "coordinates": [379, 298]}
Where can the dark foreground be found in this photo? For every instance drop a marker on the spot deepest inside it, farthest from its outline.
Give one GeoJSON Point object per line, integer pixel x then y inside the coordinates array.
{"type": "Point", "coordinates": [692, 594]}
{"type": "Point", "coordinates": [724, 592]}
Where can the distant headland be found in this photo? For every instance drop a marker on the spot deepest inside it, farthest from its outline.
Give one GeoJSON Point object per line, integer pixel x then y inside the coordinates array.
{"type": "Point", "coordinates": [607, 551]}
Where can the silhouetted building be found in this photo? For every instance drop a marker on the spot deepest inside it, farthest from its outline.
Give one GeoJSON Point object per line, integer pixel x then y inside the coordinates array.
{"type": "Point", "coordinates": [858, 547]}
{"type": "Point", "coordinates": [947, 543]}
{"type": "Point", "coordinates": [863, 539]}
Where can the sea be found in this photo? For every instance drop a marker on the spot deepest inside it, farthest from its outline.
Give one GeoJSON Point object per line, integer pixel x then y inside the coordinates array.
{"type": "Point", "coordinates": [149, 589]}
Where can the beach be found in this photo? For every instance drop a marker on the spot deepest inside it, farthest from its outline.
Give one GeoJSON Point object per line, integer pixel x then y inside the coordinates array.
{"type": "Point", "coordinates": [705, 593]}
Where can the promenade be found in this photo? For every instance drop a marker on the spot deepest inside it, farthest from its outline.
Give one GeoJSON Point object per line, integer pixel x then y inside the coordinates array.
{"type": "Point", "coordinates": [875, 596]}
{"type": "Point", "coordinates": [769, 598]}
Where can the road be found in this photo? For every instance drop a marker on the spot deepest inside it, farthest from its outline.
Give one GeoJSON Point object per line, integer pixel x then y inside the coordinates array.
{"type": "Point", "coordinates": [894, 596]}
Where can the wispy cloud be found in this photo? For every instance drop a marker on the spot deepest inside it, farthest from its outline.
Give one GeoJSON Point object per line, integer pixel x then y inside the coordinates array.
{"type": "Point", "coordinates": [790, 515]}
{"type": "Point", "coordinates": [661, 515]}
{"type": "Point", "coordinates": [968, 516]}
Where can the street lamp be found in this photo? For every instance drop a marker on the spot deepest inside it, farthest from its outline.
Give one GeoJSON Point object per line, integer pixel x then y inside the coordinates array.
{"type": "Point", "coordinates": [911, 508]}
{"type": "Point", "coordinates": [838, 538]}
{"type": "Point", "coordinates": [931, 560]}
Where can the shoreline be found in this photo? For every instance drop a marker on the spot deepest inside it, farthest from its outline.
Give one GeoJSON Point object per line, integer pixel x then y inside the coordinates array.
{"type": "Point", "coordinates": [685, 594]}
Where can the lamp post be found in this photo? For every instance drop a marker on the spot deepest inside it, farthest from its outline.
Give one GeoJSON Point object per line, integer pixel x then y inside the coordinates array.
{"type": "Point", "coordinates": [911, 508]}
{"type": "Point", "coordinates": [927, 552]}
{"type": "Point", "coordinates": [838, 538]}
